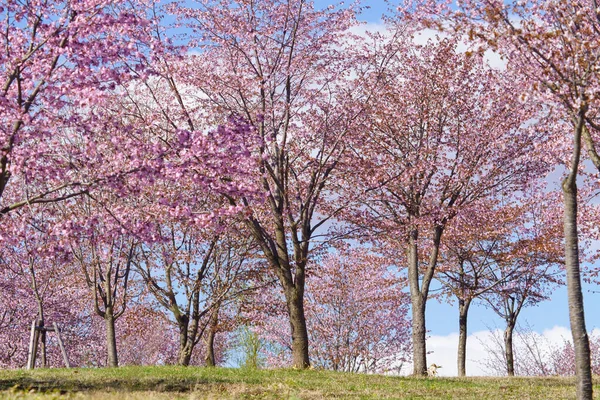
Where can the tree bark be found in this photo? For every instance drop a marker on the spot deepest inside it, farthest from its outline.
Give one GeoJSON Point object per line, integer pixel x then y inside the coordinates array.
{"type": "Point", "coordinates": [185, 356]}
{"type": "Point", "coordinates": [418, 310]}
{"type": "Point", "coordinates": [509, 349]}
{"type": "Point", "coordinates": [210, 341]}
{"type": "Point", "coordinates": [185, 349]}
{"type": "Point", "coordinates": [463, 310]}
{"type": "Point", "coordinates": [295, 305]}
{"type": "Point", "coordinates": [419, 337]}
{"type": "Point", "coordinates": [41, 316]}
{"type": "Point", "coordinates": [43, 339]}
{"type": "Point", "coordinates": [576, 312]}
{"type": "Point", "coordinates": [210, 349]}
{"type": "Point", "coordinates": [111, 338]}
{"type": "Point", "coordinates": [43, 342]}
{"type": "Point", "coordinates": [292, 280]}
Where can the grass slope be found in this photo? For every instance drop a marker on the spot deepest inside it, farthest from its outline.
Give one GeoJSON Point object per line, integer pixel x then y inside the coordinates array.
{"type": "Point", "coordinates": [149, 383]}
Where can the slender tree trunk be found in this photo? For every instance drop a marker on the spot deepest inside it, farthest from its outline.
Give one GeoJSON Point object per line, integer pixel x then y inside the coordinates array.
{"type": "Point", "coordinates": [295, 305]}
{"type": "Point", "coordinates": [41, 316]}
{"type": "Point", "coordinates": [419, 330]}
{"type": "Point", "coordinates": [463, 311]}
{"type": "Point", "coordinates": [509, 349]}
{"type": "Point", "coordinates": [210, 349]}
{"type": "Point", "coordinates": [419, 337]}
{"type": "Point", "coordinates": [210, 341]}
{"type": "Point", "coordinates": [576, 313]}
{"type": "Point", "coordinates": [43, 340]}
{"type": "Point", "coordinates": [111, 338]}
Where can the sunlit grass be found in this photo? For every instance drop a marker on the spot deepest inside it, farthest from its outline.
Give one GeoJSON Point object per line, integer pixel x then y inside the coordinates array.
{"type": "Point", "coordinates": [150, 383]}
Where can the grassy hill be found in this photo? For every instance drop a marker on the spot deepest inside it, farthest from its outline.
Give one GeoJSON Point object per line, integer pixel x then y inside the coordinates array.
{"type": "Point", "coordinates": [149, 383]}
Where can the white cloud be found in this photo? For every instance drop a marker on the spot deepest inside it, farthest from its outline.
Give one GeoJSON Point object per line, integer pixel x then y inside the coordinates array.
{"type": "Point", "coordinates": [443, 349]}
{"type": "Point", "coordinates": [371, 27]}
{"type": "Point", "coordinates": [423, 36]}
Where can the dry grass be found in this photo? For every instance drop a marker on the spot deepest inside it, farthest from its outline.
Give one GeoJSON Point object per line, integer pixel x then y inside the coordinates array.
{"type": "Point", "coordinates": [158, 383]}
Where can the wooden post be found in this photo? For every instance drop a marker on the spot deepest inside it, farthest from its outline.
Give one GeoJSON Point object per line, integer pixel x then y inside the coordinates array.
{"type": "Point", "coordinates": [33, 343]}
{"type": "Point", "coordinates": [30, 355]}
{"type": "Point", "coordinates": [60, 344]}
{"type": "Point", "coordinates": [37, 328]}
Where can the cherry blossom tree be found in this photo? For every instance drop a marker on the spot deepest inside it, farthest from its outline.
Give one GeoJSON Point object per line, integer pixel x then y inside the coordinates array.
{"type": "Point", "coordinates": [58, 59]}
{"type": "Point", "coordinates": [42, 280]}
{"type": "Point", "coordinates": [34, 266]}
{"type": "Point", "coordinates": [358, 320]}
{"type": "Point", "coordinates": [535, 252]}
{"type": "Point", "coordinates": [281, 65]}
{"type": "Point", "coordinates": [34, 259]}
{"type": "Point", "coordinates": [481, 253]}
{"type": "Point", "coordinates": [469, 263]}
{"type": "Point", "coordinates": [193, 273]}
{"type": "Point", "coordinates": [104, 250]}
{"type": "Point", "coordinates": [147, 336]}
{"type": "Point", "coordinates": [422, 162]}
{"type": "Point", "coordinates": [40, 284]}
{"type": "Point", "coordinates": [561, 359]}
{"type": "Point", "coordinates": [356, 317]}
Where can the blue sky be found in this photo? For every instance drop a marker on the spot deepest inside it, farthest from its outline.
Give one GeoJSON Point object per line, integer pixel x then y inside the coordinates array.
{"type": "Point", "coordinates": [442, 318]}
{"type": "Point", "coordinates": [373, 14]}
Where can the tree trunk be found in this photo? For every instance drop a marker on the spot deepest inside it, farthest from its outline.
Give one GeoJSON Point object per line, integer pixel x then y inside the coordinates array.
{"type": "Point", "coordinates": [295, 305]}
{"type": "Point", "coordinates": [463, 311]}
{"type": "Point", "coordinates": [509, 349]}
{"type": "Point", "coordinates": [210, 341]}
{"type": "Point", "coordinates": [576, 313]}
{"type": "Point", "coordinates": [41, 316]}
{"type": "Point", "coordinates": [185, 350]}
{"type": "Point", "coordinates": [419, 337]}
{"type": "Point", "coordinates": [185, 356]}
{"type": "Point", "coordinates": [43, 339]}
{"type": "Point", "coordinates": [43, 345]}
{"type": "Point", "coordinates": [210, 349]}
{"type": "Point", "coordinates": [111, 338]}
{"type": "Point", "coordinates": [418, 309]}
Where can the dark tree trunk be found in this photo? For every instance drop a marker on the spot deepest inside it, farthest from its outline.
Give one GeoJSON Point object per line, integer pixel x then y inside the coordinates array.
{"type": "Point", "coordinates": [292, 277]}
{"type": "Point", "coordinates": [43, 339]}
{"type": "Point", "coordinates": [185, 349]}
{"type": "Point", "coordinates": [210, 341]}
{"type": "Point", "coordinates": [419, 292]}
{"type": "Point", "coordinates": [295, 305]}
{"type": "Point", "coordinates": [185, 356]}
{"type": "Point", "coordinates": [111, 338]}
{"type": "Point", "coordinates": [463, 311]}
{"type": "Point", "coordinates": [576, 312]}
{"type": "Point", "coordinates": [189, 333]}
{"type": "Point", "coordinates": [509, 349]}
{"type": "Point", "coordinates": [210, 349]}
{"type": "Point", "coordinates": [41, 314]}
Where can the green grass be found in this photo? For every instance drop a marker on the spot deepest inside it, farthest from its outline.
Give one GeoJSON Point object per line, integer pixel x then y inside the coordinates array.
{"type": "Point", "coordinates": [150, 383]}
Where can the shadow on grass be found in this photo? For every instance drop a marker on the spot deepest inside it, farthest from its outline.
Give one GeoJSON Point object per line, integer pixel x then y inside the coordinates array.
{"type": "Point", "coordinates": [63, 386]}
